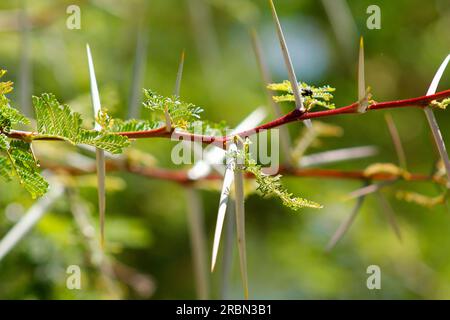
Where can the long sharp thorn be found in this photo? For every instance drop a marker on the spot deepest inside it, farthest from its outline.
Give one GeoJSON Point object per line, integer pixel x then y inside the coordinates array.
{"type": "Point", "coordinates": [437, 77]}
{"type": "Point", "coordinates": [433, 122]}
{"type": "Point", "coordinates": [338, 155]}
{"type": "Point", "coordinates": [288, 62]}
{"type": "Point", "coordinates": [95, 96]}
{"type": "Point", "coordinates": [362, 99]}
{"type": "Point", "coordinates": [266, 77]}
{"type": "Point", "coordinates": [343, 228]}
{"type": "Point", "coordinates": [224, 196]}
{"type": "Point", "coordinates": [240, 226]}
{"type": "Point", "coordinates": [100, 154]}
{"type": "Point", "coordinates": [176, 91]}
{"type": "Point", "coordinates": [215, 156]}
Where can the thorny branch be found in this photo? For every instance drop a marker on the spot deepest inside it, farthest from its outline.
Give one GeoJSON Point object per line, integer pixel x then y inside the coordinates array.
{"type": "Point", "coordinates": [295, 115]}
{"type": "Point", "coordinates": [182, 176]}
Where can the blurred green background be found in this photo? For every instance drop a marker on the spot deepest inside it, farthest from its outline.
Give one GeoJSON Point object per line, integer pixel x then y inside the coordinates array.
{"type": "Point", "coordinates": [147, 227]}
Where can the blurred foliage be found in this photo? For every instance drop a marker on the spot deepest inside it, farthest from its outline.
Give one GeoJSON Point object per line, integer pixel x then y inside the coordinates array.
{"type": "Point", "coordinates": [146, 229]}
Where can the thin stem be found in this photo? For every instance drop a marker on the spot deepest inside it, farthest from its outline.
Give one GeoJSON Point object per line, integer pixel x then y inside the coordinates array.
{"type": "Point", "coordinates": [182, 176]}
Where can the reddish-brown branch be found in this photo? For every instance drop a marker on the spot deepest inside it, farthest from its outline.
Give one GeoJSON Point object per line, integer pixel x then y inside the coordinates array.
{"type": "Point", "coordinates": [181, 176]}
{"type": "Point", "coordinates": [294, 115]}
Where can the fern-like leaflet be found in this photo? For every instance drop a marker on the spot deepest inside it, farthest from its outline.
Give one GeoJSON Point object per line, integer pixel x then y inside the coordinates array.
{"type": "Point", "coordinates": [181, 113]}
{"type": "Point", "coordinates": [312, 96]}
{"type": "Point", "coordinates": [59, 121]}
{"type": "Point", "coordinates": [270, 185]}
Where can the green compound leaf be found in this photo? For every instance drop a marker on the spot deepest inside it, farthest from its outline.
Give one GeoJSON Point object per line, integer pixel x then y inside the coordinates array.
{"type": "Point", "coordinates": [440, 104]}
{"type": "Point", "coordinates": [4, 144]}
{"type": "Point", "coordinates": [22, 164]}
{"type": "Point", "coordinates": [271, 185]}
{"type": "Point", "coordinates": [119, 125]}
{"type": "Point", "coordinates": [103, 140]}
{"type": "Point", "coordinates": [19, 160]}
{"type": "Point", "coordinates": [56, 120]}
{"type": "Point", "coordinates": [5, 168]}
{"type": "Point", "coordinates": [312, 96]}
{"type": "Point", "coordinates": [8, 115]}
{"type": "Point", "coordinates": [208, 128]}
{"type": "Point", "coordinates": [181, 113]}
